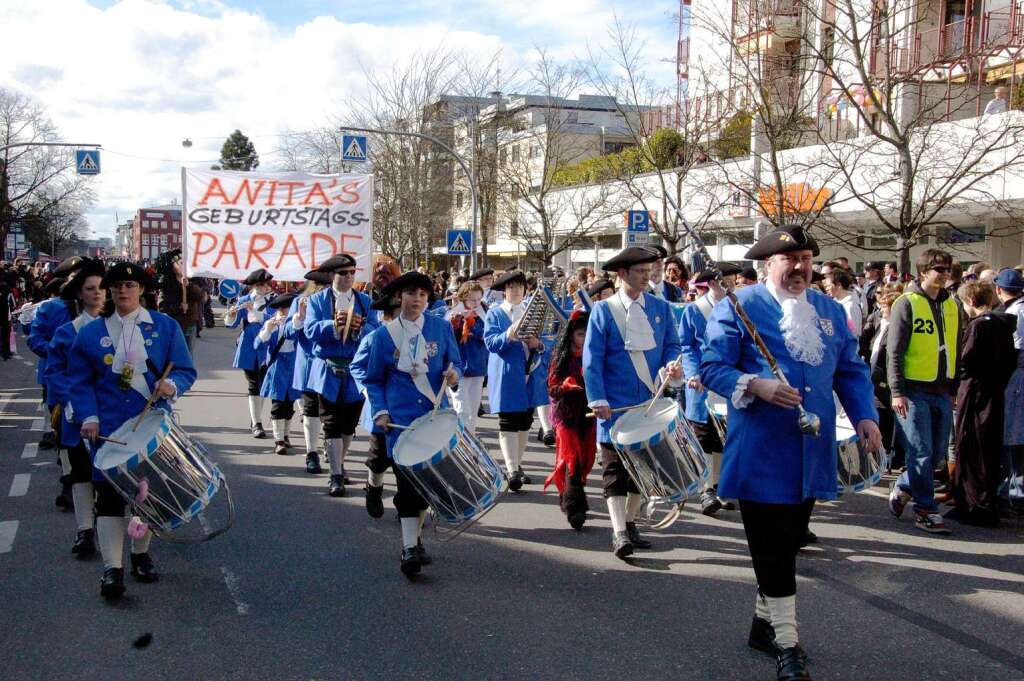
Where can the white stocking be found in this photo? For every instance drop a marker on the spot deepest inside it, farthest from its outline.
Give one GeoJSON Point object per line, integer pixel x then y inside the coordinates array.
{"type": "Point", "coordinates": [335, 457]}
{"type": "Point", "coordinates": [509, 443]}
{"type": "Point", "coordinates": [110, 532]}
{"type": "Point", "coordinates": [142, 545]}
{"type": "Point", "coordinates": [716, 467]}
{"type": "Point", "coordinates": [524, 439]}
{"type": "Point", "coordinates": [617, 512]}
{"type": "Point", "coordinates": [346, 444]}
{"type": "Point", "coordinates": [255, 409]}
{"type": "Point", "coordinates": [279, 430]}
{"type": "Point", "coordinates": [375, 479]}
{"type": "Point", "coordinates": [311, 431]}
{"type": "Point", "coordinates": [544, 414]}
{"type": "Point", "coordinates": [410, 532]}
{"type": "Point", "coordinates": [783, 611]}
{"type": "Point", "coordinates": [761, 607]}
{"type": "Point", "coordinates": [633, 503]}
{"type": "Point", "coordinates": [85, 504]}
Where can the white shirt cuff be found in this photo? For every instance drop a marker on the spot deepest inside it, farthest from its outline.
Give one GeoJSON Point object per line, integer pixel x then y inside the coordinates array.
{"type": "Point", "coordinates": [740, 397]}
{"type": "Point", "coordinates": [91, 419]}
{"type": "Point", "coordinates": [598, 403]}
{"type": "Point", "coordinates": [266, 333]}
{"type": "Point", "coordinates": [382, 412]}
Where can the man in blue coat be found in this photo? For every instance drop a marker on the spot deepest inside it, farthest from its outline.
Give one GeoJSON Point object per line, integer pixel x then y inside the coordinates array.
{"type": "Point", "coordinates": [335, 322]}
{"type": "Point", "coordinates": [631, 337]}
{"type": "Point", "coordinates": [250, 311]}
{"type": "Point", "coordinates": [295, 330]}
{"type": "Point", "coordinates": [277, 355]}
{"type": "Point", "coordinates": [773, 468]}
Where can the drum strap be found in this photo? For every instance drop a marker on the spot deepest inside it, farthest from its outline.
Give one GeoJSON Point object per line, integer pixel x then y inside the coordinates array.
{"type": "Point", "coordinates": [275, 351]}
{"type": "Point", "coordinates": [637, 357]}
{"type": "Point", "coordinates": [705, 305]}
{"type": "Point", "coordinates": [421, 381]}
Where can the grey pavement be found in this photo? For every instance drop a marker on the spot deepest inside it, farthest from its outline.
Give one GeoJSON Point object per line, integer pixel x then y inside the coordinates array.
{"type": "Point", "coordinates": [307, 587]}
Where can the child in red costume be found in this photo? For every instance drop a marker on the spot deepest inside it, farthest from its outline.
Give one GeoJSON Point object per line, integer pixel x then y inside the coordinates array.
{"type": "Point", "coordinates": [575, 437]}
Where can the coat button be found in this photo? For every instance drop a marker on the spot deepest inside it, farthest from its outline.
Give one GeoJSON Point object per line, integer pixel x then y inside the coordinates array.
{"type": "Point", "coordinates": [807, 389]}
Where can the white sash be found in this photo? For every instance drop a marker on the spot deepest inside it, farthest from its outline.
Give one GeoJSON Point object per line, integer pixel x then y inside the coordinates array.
{"type": "Point", "coordinates": [643, 372]}
{"type": "Point", "coordinates": [421, 381]}
{"type": "Point", "coordinates": [705, 305]}
{"type": "Point", "coordinates": [114, 330]}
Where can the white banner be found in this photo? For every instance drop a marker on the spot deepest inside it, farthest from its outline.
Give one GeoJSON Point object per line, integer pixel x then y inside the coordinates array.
{"type": "Point", "coordinates": [287, 223]}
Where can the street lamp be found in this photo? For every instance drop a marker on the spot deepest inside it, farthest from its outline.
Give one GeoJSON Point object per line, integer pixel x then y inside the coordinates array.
{"type": "Point", "coordinates": [187, 143]}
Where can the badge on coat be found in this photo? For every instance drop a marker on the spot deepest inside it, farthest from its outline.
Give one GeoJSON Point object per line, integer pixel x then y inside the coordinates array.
{"type": "Point", "coordinates": [826, 326]}
{"type": "Point", "coordinates": [106, 342]}
{"type": "Point", "coordinates": [149, 342]}
{"type": "Point", "coordinates": [431, 349]}
{"type": "Point", "coordinates": [108, 359]}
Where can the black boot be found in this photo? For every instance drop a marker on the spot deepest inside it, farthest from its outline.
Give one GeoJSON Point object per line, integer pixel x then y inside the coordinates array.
{"type": "Point", "coordinates": [112, 583]}
{"type": "Point", "coordinates": [549, 438]}
{"type": "Point", "coordinates": [515, 481]}
{"type": "Point", "coordinates": [280, 448]}
{"type": "Point", "coordinates": [710, 504]}
{"type": "Point", "coordinates": [424, 557]}
{"type": "Point", "coordinates": [634, 537]}
{"type": "Point", "coordinates": [85, 543]}
{"type": "Point", "coordinates": [48, 440]}
{"type": "Point", "coordinates": [410, 562]}
{"type": "Point", "coordinates": [313, 463]}
{"type": "Point", "coordinates": [65, 501]}
{"type": "Point", "coordinates": [525, 478]}
{"type": "Point", "coordinates": [336, 486]}
{"type": "Point", "coordinates": [808, 538]}
{"type": "Point", "coordinates": [621, 546]}
{"type": "Point", "coordinates": [762, 636]}
{"type": "Point", "coordinates": [143, 569]}
{"type": "Point", "coordinates": [791, 665]}
{"type": "Point", "coordinates": [375, 501]}
{"type": "Point", "coordinates": [257, 431]}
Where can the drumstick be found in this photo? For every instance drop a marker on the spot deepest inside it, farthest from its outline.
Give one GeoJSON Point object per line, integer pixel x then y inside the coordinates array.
{"type": "Point", "coordinates": [152, 398]}
{"type": "Point", "coordinates": [348, 319]}
{"type": "Point", "coordinates": [616, 410]}
{"type": "Point", "coordinates": [395, 425]}
{"type": "Point", "coordinates": [440, 393]}
{"type": "Point", "coordinates": [110, 439]}
{"type": "Point", "coordinates": [661, 390]}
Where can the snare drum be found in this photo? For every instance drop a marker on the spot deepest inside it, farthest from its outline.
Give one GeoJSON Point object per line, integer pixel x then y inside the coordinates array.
{"type": "Point", "coordinates": [660, 451]}
{"type": "Point", "coordinates": [450, 468]}
{"type": "Point", "coordinates": [162, 472]}
{"type": "Point", "coordinates": [857, 469]}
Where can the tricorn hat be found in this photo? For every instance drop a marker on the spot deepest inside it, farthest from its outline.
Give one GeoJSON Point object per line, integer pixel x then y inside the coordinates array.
{"type": "Point", "coordinates": [627, 257]}
{"type": "Point", "coordinates": [784, 239]}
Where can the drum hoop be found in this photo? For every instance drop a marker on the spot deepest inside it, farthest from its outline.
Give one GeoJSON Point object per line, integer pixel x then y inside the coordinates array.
{"type": "Point", "coordinates": [440, 454]}
{"type": "Point", "coordinates": [653, 440]}
{"type": "Point", "coordinates": [152, 445]}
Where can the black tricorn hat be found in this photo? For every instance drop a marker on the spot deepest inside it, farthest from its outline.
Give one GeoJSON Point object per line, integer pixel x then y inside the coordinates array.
{"type": "Point", "coordinates": [407, 281]}
{"type": "Point", "coordinates": [89, 268]}
{"type": "Point", "coordinates": [659, 249]}
{"type": "Point", "coordinates": [785, 239]}
{"type": "Point", "coordinates": [749, 273]}
{"type": "Point", "coordinates": [68, 265]}
{"type": "Point", "coordinates": [260, 276]}
{"type": "Point", "coordinates": [128, 271]}
{"type": "Point", "coordinates": [513, 277]}
{"type": "Point", "coordinates": [54, 285]}
{"type": "Point", "coordinates": [726, 268]}
{"type": "Point", "coordinates": [318, 277]}
{"type": "Point", "coordinates": [282, 300]}
{"type": "Point", "coordinates": [480, 274]}
{"type": "Point", "coordinates": [598, 286]}
{"type": "Point", "coordinates": [627, 257]}
{"type": "Point", "coordinates": [386, 304]}
{"type": "Point", "coordinates": [342, 261]}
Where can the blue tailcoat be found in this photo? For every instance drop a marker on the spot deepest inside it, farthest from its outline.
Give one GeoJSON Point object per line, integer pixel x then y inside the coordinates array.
{"type": "Point", "coordinates": [691, 337]}
{"type": "Point", "coordinates": [767, 458]}
{"type": "Point", "coordinates": [319, 327]}
{"type": "Point", "coordinates": [94, 389]}
{"type": "Point", "coordinates": [303, 349]}
{"type": "Point", "coordinates": [671, 292]}
{"type": "Point", "coordinates": [474, 352]}
{"type": "Point", "coordinates": [57, 382]}
{"type": "Point", "coordinates": [608, 372]}
{"type": "Point", "coordinates": [245, 355]}
{"type": "Point", "coordinates": [277, 384]}
{"type": "Point", "coordinates": [438, 308]}
{"type": "Point", "coordinates": [51, 315]}
{"type": "Point", "coordinates": [388, 389]}
{"type": "Point", "coordinates": [509, 389]}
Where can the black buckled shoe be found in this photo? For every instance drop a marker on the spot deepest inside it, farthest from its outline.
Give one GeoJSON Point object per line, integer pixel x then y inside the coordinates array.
{"type": "Point", "coordinates": [808, 538]}
{"type": "Point", "coordinates": [65, 501]}
{"type": "Point", "coordinates": [85, 543]}
{"type": "Point", "coordinates": [257, 431]}
{"type": "Point", "coordinates": [410, 562]}
{"type": "Point", "coordinates": [375, 501]}
{"type": "Point", "coordinates": [336, 486]}
{"type": "Point", "coordinates": [421, 552]}
{"type": "Point", "coordinates": [112, 583]}
{"type": "Point", "coordinates": [143, 569]}
{"type": "Point", "coordinates": [634, 537]}
{"type": "Point", "coordinates": [791, 665]}
{"type": "Point", "coordinates": [48, 440]}
{"type": "Point", "coordinates": [621, 546]}
{"type": "Point", "coordinates": [287, 442]}
{"type": "Point", "coordinates": [577, 519]}
{"type": "Point", "coordinates": [515, 481]}
{"type": "Point", "coordinates": [525, 478]}
{"type": "Point", "coordinates": [549, 438]}
{"type": "Point", "coordinates": [344, 477]}
{"type": "Point", "coordinates": [313, 463]}
{"type": "Point", "coordinates": [762, 636]}
{"type": "Point", "coordinates": [280, 448]}
{"type": "Point", "coordinates": [710, 504]}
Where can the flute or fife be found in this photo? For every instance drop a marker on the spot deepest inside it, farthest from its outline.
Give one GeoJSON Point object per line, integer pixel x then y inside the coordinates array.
{"type": "Point", "coordinates": [810, 423]}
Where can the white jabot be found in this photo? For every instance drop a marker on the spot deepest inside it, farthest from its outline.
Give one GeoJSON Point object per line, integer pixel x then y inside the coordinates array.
{"type": "Point", "coordinates": [130, 346]}
{"type": "Point", "coordinates": [412, 350]}
{"type": "Point", "coordinates": [514, 312]}
{"type": "Point", "coordinates": [639, 334]}
{"type": "Point", "coordinates": [799, 326]}
{"type": "Point", "coordinates": [342, 301]}
{"type": "Point", "coordinates": [259, 303]}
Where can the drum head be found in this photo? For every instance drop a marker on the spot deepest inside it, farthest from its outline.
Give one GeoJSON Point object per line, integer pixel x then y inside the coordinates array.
{"type": "Point", "coordinates": [634, 427]}
{"type": "Point", "coordinates": [138, 444]}
{"type": "Point", "coordinates": [427, 435]}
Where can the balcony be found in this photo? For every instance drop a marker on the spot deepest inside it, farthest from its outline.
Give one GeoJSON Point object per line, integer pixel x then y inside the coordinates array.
{"type": "Point", "coordinates": [764, 26]}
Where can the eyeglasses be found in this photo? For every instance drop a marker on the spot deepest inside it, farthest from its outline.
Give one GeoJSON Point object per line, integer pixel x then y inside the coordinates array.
{"type": "Point", "coordinates": [345, 273]}
{"type": "Point", "coordinates": [124, 284]}
{"type": "Point", "coordinates": [941, 269]}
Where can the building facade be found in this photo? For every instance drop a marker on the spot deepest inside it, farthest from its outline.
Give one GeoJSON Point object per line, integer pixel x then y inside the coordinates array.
{"type": "Point", "coordinates": [153, 231]}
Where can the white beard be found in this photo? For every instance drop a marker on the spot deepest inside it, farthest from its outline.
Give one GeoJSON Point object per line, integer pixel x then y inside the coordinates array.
{"type": "Point", "coordinates": [799, 326]}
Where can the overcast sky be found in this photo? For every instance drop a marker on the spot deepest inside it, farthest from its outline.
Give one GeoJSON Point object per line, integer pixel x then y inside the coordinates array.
{"type": "Point", "coordinates": [138, 76]}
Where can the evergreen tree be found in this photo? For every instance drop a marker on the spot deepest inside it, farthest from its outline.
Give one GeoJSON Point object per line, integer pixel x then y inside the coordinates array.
{"type": "Point", "coordinates": [238, 153]}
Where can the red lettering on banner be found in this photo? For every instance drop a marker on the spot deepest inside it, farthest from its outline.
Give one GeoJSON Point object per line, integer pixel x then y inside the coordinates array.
{"type": "Point", "coordinates": [349, 193]}
{"type": "Point", "coordinates": [344, 238]}
{"type": "Point", "coordinates": [291, 185]}
{"type": "Point", "coordinates": [291, 247]}
{"type": "Point", "coordinates": [256, 252]}
{"type": "Point", "coordinates": [313, 237]}
{"type": "Point", "coordinates": [317, 190]}
{"type": "Point", "coordinates": [198, 250]}
{"type": "Point", "coordinates": [212, 189]}
{"type": "Point", "coordinates": [250, 196]}
{"type": "Point", "coordinates": [229, 240]}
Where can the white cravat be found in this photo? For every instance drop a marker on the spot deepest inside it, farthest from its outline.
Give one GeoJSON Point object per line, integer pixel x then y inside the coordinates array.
{"type": "Point", "coordinates": [342, 300]}
{"type": "Point", "coordinates": [412, 350]}
{"type": "Point", "coordinates": [639, 334]}
{"type": "Point", "coordinates": [130, 347]}
{"type": "Point", "coordinates": [658, 290]}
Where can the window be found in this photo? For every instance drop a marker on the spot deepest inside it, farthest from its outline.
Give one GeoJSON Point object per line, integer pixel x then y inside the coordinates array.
{"type": "Point", "coordinates": [972, 234]}
{"type": "Point", "coordinates": [515, 153]}
{"type": "Point", "coordinates": [163, 224]}
{"type": "Point", "coordinates": [513, 228]}
{"type": "Point", "coordinates": [534, 151]}
{"type": "Point", "coordinates": [458, 200]}
{"type": "Point", "coordinates": [503, 156]}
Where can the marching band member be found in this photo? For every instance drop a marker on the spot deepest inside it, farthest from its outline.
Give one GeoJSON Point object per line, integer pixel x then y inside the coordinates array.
{"type": "Point", "coordinates": [546, 433]}
{"type": "Point", "coordinates": [295, 331]}
{"type": "Point", "coordinates": [403, 367]}
{"type": "Point", "coordinates": [85, 292]}
{"type": "Point", "coordinates": [114, 366]}
{"type": "Point", "coordinates": [691, 337]}
{"type": "Point", "coordinates": [335, 318]}
{"type": "Point", "coordinates": [658, 286]}
{"type": "Point", "coordinates": [277, 357]}
{"type": "Point", "coordinates": [467, 318]}
{"type": "Point", "coordinates": [602, 289]}
{"type": "Point", "coordinates": [575, 435]}
{"type": "Point", "coordinates": [630, 337]}
{"type": "Point", "coordinates": [250, 312]}
{"type": "Point", "coordinates": [512, 390]}
{"type": "Point", "coordinates": [777, 485]}
{"type": "Point", "coordinates": [485, 278]}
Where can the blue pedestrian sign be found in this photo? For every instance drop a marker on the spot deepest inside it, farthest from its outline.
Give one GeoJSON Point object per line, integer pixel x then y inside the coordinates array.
{"type": "Point", "coordinates": [229, 288]}
{"type": "Point", "coordinates": [460, 242]}
{"type": "Point", "coordinates": [87, 161]}
{"type": "Point", "coordinates": [638, 221]}
{"type": "Point", "coordinates": [353, 148]}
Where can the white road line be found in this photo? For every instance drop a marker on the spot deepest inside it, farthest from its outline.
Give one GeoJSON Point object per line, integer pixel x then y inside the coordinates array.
{"type": "Point", "coordinates": [37, 424]}
{"type": "Point", "coordinates": [8, 530]}
{"type": "Point", "coordinates": [231, 581]}
{"type": "Point", "coordinates": [19, 486]}
{"type": "Point", "coordinates": [30, 451]}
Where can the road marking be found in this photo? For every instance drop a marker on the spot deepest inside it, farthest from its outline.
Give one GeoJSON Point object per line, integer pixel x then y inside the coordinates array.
{"type": "Point", "coordinates": [8, 530]}
{"type": "Point", "coordinates": [231, 581]}
{"type": "Point", "coordinates": [30, 451]}
{"type": "Point", "coordinates": [37, 424]}
{"type": "Point", "coordinates": [19, 486]}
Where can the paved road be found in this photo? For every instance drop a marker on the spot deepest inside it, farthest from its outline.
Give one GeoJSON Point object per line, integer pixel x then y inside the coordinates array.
{"type": "Point", "coordinates": [307, 587]}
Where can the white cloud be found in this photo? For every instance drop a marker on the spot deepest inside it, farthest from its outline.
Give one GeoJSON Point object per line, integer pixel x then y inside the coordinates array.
{"type": "Point", "coordinates": [142, 75]}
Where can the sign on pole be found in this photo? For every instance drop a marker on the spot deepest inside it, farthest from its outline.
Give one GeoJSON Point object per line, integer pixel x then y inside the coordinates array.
{"type": "Point", "coordinates": [87, 161]}
{"type": "Point", "coordinates": [229, 288]}
{"type": "Point", "coordinates": [460, 242]}
{"type": "Point", "coordinates": [353, 148]}
{"type": "Point", "coordinates": [638, 221]}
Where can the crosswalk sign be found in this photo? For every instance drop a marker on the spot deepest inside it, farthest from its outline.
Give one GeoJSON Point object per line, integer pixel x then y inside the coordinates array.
{"type": "Point", "coordinates": [460, 241]}
{"type": "Point", "coordinates": [87, 161]}
{"type": "Point", "coordinates": [353, 148]}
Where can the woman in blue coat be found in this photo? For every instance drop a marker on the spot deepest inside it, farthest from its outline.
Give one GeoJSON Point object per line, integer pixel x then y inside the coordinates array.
{"type": "Point", "coordinates": [85, 292]}
{"type": "Point", "coordinates": [513, 392]}
{"type": "Point", "coordinates": [115, 365]}
{"type": "Point", "coordinates": [295, 331]}
{"type": "Point", "coordinates": [406, 363]}
{"type": "Point", "coordinates": [467, 320]}
{"type": "Point", "coordinates": [277, 355]}
{"type": "Point", "coordinates": [250, 312]}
